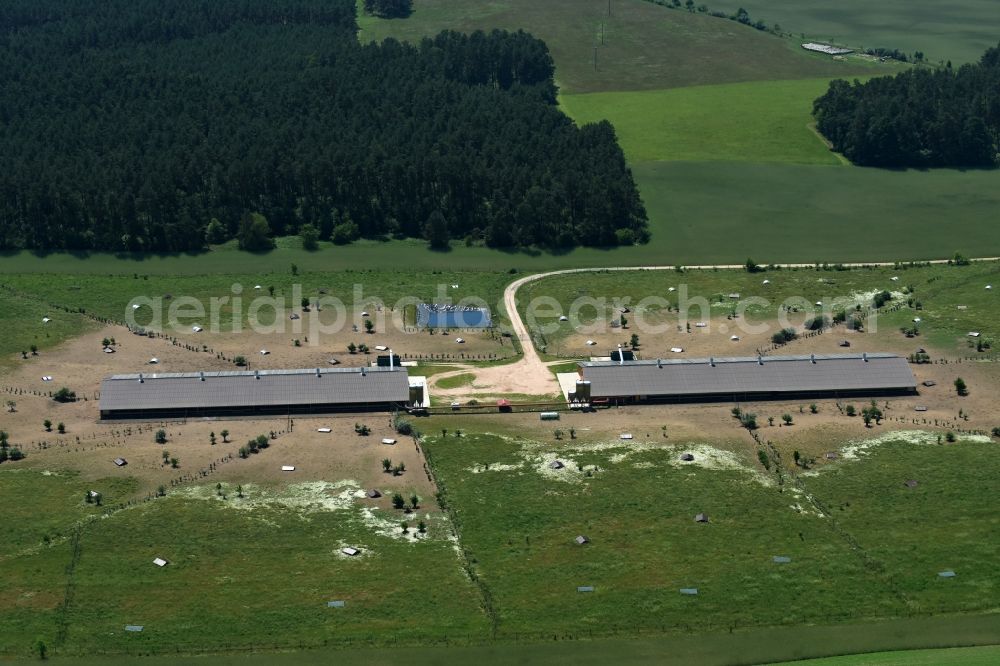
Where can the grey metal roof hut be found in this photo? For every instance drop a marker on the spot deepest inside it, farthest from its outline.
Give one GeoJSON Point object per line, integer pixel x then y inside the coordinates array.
{"type": "Point", "coordinates": [306, 391]}
{"type": "Point", "coordinates": [745, 378]}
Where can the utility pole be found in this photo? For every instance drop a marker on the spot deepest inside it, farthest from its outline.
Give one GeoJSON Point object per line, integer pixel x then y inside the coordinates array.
{"type": "Point", "coordinates": [595, 58]}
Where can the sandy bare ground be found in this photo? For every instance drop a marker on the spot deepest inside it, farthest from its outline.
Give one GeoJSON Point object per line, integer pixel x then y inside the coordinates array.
{"type": "Point", "coordinates": [90, 446]}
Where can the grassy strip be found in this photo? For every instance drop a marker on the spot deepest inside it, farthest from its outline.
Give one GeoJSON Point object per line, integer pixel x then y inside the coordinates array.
{"type": "Point", "coordinates": [458, 381]}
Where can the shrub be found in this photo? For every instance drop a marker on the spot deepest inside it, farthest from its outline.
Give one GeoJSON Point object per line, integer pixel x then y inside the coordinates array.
{"type": "Point", "coordinates": [309, 236]}
{"type": "Point", "coordinates": [817, 323]}
{"type": "Point", "coordinates": [784, 335]}
{"type": "Point", "coordinates": [881, 298]}
{"type": "Point", "coordinates": [240, 361]}
{"type": "Point", "coordinates": [764, 460]}
{"type": "Point", "coordinates": [850, 410]}
{"type": "Point", "coordinates": [787, 418]}
{"type": "Point", "coordinates": [160, 437]}
{"type": "Point", "coordinates": [344, 233]}
{"type": "Point", "coordinates": [960, 387]}
{"type": "Point", "coordinates": [950, 436]}
{"type": "Point", "coordinates": [404, 427]}
{"type": "Point", "coordinates": [64, 395]}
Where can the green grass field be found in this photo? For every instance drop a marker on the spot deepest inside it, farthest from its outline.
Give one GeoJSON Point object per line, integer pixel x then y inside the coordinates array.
{"type": "Point", "coordinates": [915, 533]}
{"type": "Point", "coordinates": [959, 31]}
{"type": "Point", "coordinates": [970, 656]}
{"type": "Point", "coordinates": [646, 46]}
{"type": "Point", "coordinates": [757, 646]}
{"type": "Point", "coordinates": [762, 121]}
{"type": "Point", "coordinates": [21, 319]}
{"type": "Point", "coordinates": [939, 289]}
{"type": "Point", "coordinates": [237, 578]}
{"type": "Point", "coordinates": [518, 520]}
{"type": "Point", "coordinates": [109, 295]}
{"type": "Point", "coordinates": [458, 381]}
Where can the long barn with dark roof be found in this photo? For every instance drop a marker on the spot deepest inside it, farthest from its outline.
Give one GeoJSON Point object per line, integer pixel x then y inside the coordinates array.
{"type": "Point", "coordinates": [253, 393]}
{"type": "Point", "coordinates": [745, 378]}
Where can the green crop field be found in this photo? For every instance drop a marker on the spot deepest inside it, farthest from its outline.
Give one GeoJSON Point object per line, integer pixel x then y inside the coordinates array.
{"type": "Point", "coordinates": [646, 46]}
{"type": "Point", "coordinates": [709, 212]}
{"type": "Point", "coordinates": [763, 121]}
{"type": "Point", "coordinates": [959, 31]}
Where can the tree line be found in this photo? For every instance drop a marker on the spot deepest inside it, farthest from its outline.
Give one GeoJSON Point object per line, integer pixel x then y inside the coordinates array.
{"type": "Point", "coordinates": [137, 125]}
{"type": "Point", "coordinates": [919, 118]}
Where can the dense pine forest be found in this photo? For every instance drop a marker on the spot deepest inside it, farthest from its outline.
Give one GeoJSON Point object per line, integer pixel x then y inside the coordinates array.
{"type": "Point", "coordinates": [143, 125]}
{"type": "Point", "coordinates": [919, 118]}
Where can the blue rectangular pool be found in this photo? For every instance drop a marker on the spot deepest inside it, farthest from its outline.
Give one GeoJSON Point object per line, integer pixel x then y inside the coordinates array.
{"type": "Point", "coordinates": [452, 316]}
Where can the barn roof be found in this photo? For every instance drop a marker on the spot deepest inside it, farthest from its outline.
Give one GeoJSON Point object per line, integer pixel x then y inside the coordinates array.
{"type": "Point", "coordinates": [263, 388]}
{"type": "Point", "coordinates": [773, 374]}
